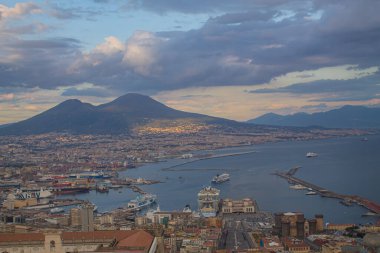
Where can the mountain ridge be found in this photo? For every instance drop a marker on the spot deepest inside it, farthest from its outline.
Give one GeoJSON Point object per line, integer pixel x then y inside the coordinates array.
{"type": "Point", "coordinates": [116, 117]}
{"type": "Point", "coordinates": [348, 116]}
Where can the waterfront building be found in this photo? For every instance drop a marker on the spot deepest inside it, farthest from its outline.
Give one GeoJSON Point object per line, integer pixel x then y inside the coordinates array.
{"type": "Point", "coordinates": [238, 206]}
{"type": "Point", "coordinates": [208, 201]}
{"type": "Point", "coordinates": [12, 203]}
{"type": "Point", "coordinates": [137, 241]}
{"type": "Point", "coordinates": [339, 227]}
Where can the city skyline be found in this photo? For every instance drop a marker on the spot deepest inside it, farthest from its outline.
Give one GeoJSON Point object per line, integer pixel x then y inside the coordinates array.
{"type": "Point", "coordinates": [234, 60]}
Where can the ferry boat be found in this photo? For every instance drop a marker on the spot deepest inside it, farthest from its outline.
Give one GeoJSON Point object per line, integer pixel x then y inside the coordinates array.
{"type": "Point", "coordinates": [141, 202]}
{"type": "Point", "coordinates": [221, 178]}
{"type": "Point", "coordinates": [30, 193]}
{"type": "Point", "coordinates": [311, 154]}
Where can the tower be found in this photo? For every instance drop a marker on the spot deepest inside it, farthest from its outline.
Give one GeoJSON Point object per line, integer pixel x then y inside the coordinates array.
{"type": "Point", "coordinates": [319, 225]}
{"type": "Point", "coordinates": [87, 217]}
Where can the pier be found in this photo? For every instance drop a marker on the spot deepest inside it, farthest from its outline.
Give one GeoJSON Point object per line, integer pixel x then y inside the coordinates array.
{"type": "Point", "coordinates": [368, 204]}
{"type": "Point", "coordinates": [173, 167]}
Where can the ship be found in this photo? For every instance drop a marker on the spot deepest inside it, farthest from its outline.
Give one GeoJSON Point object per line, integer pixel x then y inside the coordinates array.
{"type": "Point", "coordinates": [90, 175]}
{"type": "Point", "coordinates": [311, 193]}
{"type": "Point", "coordinates": [70, 190]}
{"type": "Point", "coordinates": [141, 202]}
{"type": "Point", "coordinates": [102, 188]}
{"type": "Point", "coordinates": [221, 178]}
{"type": "Point", "coordinates": [57, 210]}
{"type": "Point", "coordinates": [311, 154]}
{"type": "Point", "coordinates": [30, 193]}
{"type": "Point", "coordinates": [208, 201]}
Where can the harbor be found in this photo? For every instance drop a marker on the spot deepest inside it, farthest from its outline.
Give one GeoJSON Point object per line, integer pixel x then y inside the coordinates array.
{"type": "Point", "coordinates": [249, 177]}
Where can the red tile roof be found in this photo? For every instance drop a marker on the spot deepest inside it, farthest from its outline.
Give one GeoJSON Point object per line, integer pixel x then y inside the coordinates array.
{"type": "Point", "coordinates": [139, 239]}
{"type": "Point", "coordinates": [97, 235]}
{"type": "Point", "coordinates": [22, 237]}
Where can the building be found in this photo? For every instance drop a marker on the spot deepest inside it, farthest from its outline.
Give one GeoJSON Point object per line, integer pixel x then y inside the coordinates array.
{"type": "Point", "coordinates": [238, 206]}
{"type": "Point", "coordinates": [208, 201]}
{"type": "Point", "coordinates": [137, 241]}
{"type": "Point", "coordinates": [339, 227]}
{"type": "Point", "coordinates": [271, 244]}
{"type": "Point", "coordinates": [295, 246]}
{"type": "Point", "coordinates": [75, 219]}
{"type": "Point", "coordinates": [87, 217]}
{"type": "Point", "coordinates": [295, 225]}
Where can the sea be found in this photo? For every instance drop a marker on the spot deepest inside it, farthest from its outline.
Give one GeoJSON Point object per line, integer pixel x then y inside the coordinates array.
{"type": "Point", "coordinates": [346, 165]}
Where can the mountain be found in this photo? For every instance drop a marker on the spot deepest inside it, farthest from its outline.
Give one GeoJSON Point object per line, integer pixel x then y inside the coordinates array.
{"type": "Point", "coordinates": [116, 117]}
{"type": "Point", "coordinates": [345, 117]}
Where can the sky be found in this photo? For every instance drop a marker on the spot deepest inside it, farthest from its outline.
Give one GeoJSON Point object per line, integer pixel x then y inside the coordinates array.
{"type": "Point", "coordinates": [234, 59]}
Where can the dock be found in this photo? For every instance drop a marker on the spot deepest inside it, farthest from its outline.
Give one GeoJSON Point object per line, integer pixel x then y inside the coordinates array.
{"type": "Point", "coordinates": [366, 203]}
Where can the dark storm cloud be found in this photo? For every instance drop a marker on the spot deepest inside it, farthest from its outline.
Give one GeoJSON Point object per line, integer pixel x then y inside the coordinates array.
{"type": "Point", "coordinates": [368, 85]}
{"type": "Point", "coordinates": [249, 42]}
{"type": "Point", "coordinates": [36, 63]}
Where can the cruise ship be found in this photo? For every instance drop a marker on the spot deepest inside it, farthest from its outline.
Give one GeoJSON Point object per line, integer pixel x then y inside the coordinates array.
{"type": "Point", "coordinates": [208, 200]}
{"type": "Point", "coordinates": [311, 154]}
{"type": "Point", "coordinates": [141, 202]}
{"type": "Point", "coordinates": [221, 178]}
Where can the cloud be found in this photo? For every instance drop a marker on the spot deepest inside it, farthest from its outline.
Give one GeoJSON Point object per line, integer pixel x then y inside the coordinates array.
{"type": "Point", "coordinates": [19, 10]}
{"type": "Point", "coordinates": [141, 52]}
{"type": "Point", "coordinates": [6, 97]}
{"type": "Point", "coordinates": [207, 6]}
{"type": "Point", "coordinates": [315, 107]}
{"type": "Point", "coordinates": [367, 84]}
{"type": "Point", "coordinates": [241, 44]}
{"type": "Point", "coordinates": [87, 90]}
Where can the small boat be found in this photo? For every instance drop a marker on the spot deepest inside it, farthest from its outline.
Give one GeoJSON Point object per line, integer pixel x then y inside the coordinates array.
{"type": "Point", "coordinates": [187, 209]}
{"type": "Point", "coordinates": [311, 193]}
{"type": "Point", "coordinates": [221, 178]}
{"type": "Point", "coordinates": [297, 187]}
{"type": "Point", "coordinates": [57, 210]}
{"type": "Point", "coordinates": [102, 188]}
{"type": "Point", "coordinates": [365, 139]}
{"type": "Point", "coordinates": [311, 154]}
